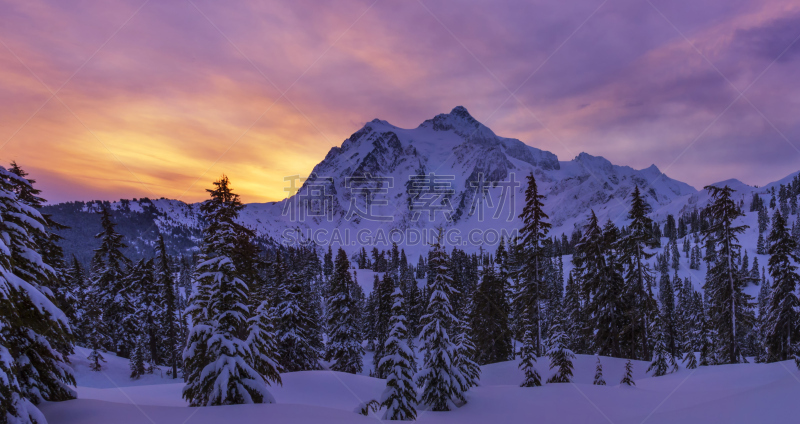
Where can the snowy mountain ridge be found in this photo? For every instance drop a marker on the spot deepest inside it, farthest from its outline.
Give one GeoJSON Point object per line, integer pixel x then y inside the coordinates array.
{"type": "Point", "coordinates": [398, 167]}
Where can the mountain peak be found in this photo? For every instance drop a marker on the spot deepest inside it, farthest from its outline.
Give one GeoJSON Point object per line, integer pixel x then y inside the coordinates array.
{"type": "Point", "coordinates": [459, 121]}
{"type": "Point", "coordinates": [461, 111]}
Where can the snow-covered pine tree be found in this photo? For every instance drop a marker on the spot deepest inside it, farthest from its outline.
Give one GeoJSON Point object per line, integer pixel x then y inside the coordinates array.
{"type": "Point", "coordinates": [400, 396]}
{"type": "Point", "coordinates": [439, 379]}
{"type": "Point", "coordinates": [706, 342]}
{"type": "Point", "coordinates": [604, 287]}
{"type": "Point", "coordinates": [33, 331]}
{"type": "Point", "coordinates": [675, 255]}
{"type": "Point", "coordinates": [327, 263]}
{"type": "Point", "coordinates": [693, 331]}
{"type": "Point", "coordinates": [689, 357]}
{"type": "Point", "coordinates": [412, 300]}
{"type": "Point", "coordinates": [627, 378]}
{"type": "Point", "coordinates": [490, 316]}
{"type": "Point", "coordinates": [764, 293]}
{"type": "Point", "coordinates": [75, 281]}
{"type": "Point", "coordinates": [297, 350]}
{"type": "Point", "coordinates": [781, 323]}
{"type": "Point", "coordinates": [370, 314]}
{"type": "Point", "coordinates": [728, 304]}
{"type": "Point", "coordinates": [109, 267]}
{"type": "Point", "coordinates": [528, 361]}
{"type": "Point", "coordinates": [575, 317]}
{"type": "Point", "coordinates": [47, 245]}
{"type": "Point", "coordinates": [344, 346]}
{"type": "Point", "coordinates": [37, 333]}
{"type": "Point", "coordinates": [560, 355]}
{"type": "Point", "coordinates": [666, 295]}
{"type": "Point", "coordinates": [218, 365]}
{"type": "Point", "coordinates": [754, 275]}
{"type": "Point", "coordinates": [638, 276]}
{"type": "Point", "coordinates": [468, 369]}
{"type": "Point", "coordinates": [383, 313]}
{"type": "Point", "coordinates": [167, 317]}
{"type": "Point", "coordinates": [663, 361]}
{"type": "Point", "coordinates": [139, 322]}
{"type": "Point", "coordinates": [598, 374]}
{"type": "Point", "coordinates": [530, 254]}
{"type": "Point", "coordinates": [140, 361]}
{"type": "Point", "coordinates": [262, 338]}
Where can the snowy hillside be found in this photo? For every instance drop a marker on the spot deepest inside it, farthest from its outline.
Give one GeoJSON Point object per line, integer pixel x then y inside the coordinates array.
{"type": "Point", "coordinates": [744, 393]}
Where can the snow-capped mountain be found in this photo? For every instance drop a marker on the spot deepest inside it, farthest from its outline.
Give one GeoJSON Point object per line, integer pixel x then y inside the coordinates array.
{"type": "Point", "coordinates": [443, 165]}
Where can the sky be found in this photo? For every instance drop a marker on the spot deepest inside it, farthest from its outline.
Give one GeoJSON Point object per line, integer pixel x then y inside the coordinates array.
{"type": "Point", "coordinates": [124, 99]}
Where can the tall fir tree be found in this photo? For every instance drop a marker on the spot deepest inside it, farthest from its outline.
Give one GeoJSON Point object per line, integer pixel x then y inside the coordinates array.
{"type": "Point", "coordinates": [400, 396]}
{"type": "Point", "coordinates": [781, 322]}
{"type": "Point", "coordinates": [383, 313]}
{"type": "Point", "coordinates": [490, 316]}
{"type": "Point", "coordinates": [109, 267]}
{"type": "Point", "coordinates": [168, 317]}
{"type": "Point", "coordinates": [142, 298]}
{"type": "Point", "coordinates": [219, 365]}
{"type": "Point", "coordinates": [439, 379]}
{"type": "Point", "coordinates": [468, 369]}
{"type": "Point", "coordinates": [663, 361]}
{"type": "Point", "coordinates": [34, 333]}
{"type": "Point", "coordinates": [344, 345]}
{"type": "Point", "coordinates": [297, 349]}
{"type": "Point", "coordinates": [728, 304]}
{"type": "Point", "coordinates": [639, 279]}
{"type": "Point", "coordinates": [532, 288]}
{"type": "Point", "coordinates": [560, 355]}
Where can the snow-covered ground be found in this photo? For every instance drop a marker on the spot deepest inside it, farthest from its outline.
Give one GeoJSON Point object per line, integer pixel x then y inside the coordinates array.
{"type": "Point", "coordinates": [744, 393]}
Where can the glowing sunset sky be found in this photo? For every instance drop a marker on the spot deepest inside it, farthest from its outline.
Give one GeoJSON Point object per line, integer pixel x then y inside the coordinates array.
{"type": "Point", "coordinates": [159, 98]}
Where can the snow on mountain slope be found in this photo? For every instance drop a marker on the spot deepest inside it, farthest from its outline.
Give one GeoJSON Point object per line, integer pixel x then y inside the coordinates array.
{"type": "Point", "coordinates": [459, 151]}
{"type": "Point", "coordinates": [742, 393]}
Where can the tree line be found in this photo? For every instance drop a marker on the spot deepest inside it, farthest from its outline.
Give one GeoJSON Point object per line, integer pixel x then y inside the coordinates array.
{"type": "Point", "coordinates": [232, 316]}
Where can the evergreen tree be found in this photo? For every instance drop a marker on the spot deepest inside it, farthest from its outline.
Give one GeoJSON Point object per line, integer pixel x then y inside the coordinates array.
{"type": "Point", "coordinates": [400, 395]}
{"type": "Point", "coordinates": [528, 359]}
{"type": "Point", "coordinates": [560, 356]}
{"type": "Point", "coordinates": [168, 317]}
{"type": "Point", "coordinates": [141, 362]}
{"type": "Point", "coordinates": [262, 335]}
{"type": "Point", "coordinates": [728, 304]}
{"type": "Point", "coordinates": [76, 284]}
{"type": "Point", "coordinates": [627, 378]}
{"type": "Point", "coordinates": [667, 297]}
{"type": "Point", "coordinates": [763, 221]}
{"type": "Point", "coordinates": [439, 379]}
{"type": "Point", "coordinates": [468, 369]}
{"type": "Point", "coordinates": [218, 363]}
{"type": "Point", "coordinates": [676, 256]}
{"type": "Point", "coordinates": [638, 277]}
{"type": "Point", "coordinates": [142, 299]}
{"type": "Point", "coordinates": [109, 267]}
{"type": "Point", "coordinates": [531, 290]}
{"type": "Point", "coordinates": [298, 351]}
{"type": "Point", "coordinates": [490, 316]}
{"type": "Point", "coordinates": [344, 347]}
{"type": "Point", "coordinates": [327, 267]}
{"type": "Point", "coordinates": [383, 314]}
{"type": "Point", "coordinates": [34, 332]}
{"type": "Point", "coordinates": [781, 323]}
{"type": "Point", "coordinates": [663, 361]}
{"type": "Point", "coordinates": [598, 374]}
